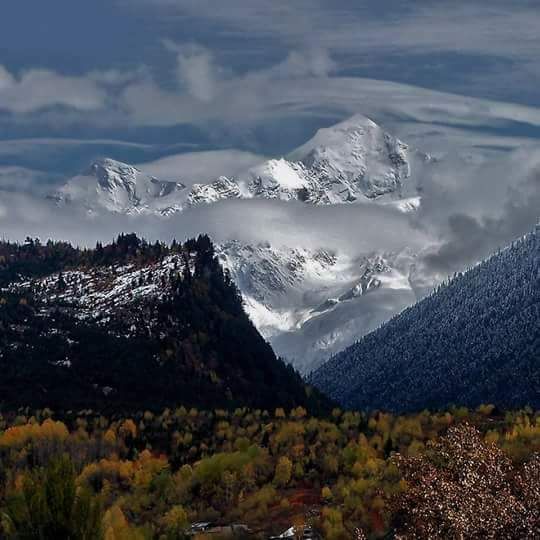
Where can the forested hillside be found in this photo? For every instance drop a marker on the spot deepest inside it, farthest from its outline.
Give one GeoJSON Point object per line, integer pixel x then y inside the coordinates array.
{"type": "Point", "coordinates": [153, 475]}
{"type": "Point", "coordinates": [475, 339]}
{"type": "Point", "coordinates": [129, 325]}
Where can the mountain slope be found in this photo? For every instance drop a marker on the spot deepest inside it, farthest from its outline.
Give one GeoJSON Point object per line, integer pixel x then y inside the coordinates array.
{"type": "Point", "coordinates": [475, 340]}
{"type": "Point", "coordinates": [132, 325]}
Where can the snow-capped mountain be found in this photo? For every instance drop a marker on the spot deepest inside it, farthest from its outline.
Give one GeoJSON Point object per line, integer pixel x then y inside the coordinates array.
{"type": "Point", "coordinates": [118, 187]}
{"type": "Point", "coordinates": [311, 303]}
{"type": "Point", "coordinates": [355, 160]}
{"type": "Point", "coordinates": [121, 188]}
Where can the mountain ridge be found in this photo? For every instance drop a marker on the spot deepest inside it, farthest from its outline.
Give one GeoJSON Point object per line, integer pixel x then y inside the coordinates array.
{"type": "Point", "coordinates": [309, 302]}
{"type": "Point", "coordinates": [351, 161]}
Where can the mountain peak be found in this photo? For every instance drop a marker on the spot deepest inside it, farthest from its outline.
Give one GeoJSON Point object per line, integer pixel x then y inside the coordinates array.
{"type": "Point", "coordinates": [358, 156]}
{"type": "Point", "coordinates": [109, 163]}
{"type": "Point", "coordinates": [355, 121]}
{"type": "Point", "coordinates": [358, 130]}
{"type": "Point", "coordinates": [114, 175]}
{"type": "Point", "coordinates": [121, 188]}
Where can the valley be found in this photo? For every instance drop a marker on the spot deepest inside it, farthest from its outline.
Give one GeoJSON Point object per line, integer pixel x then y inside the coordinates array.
{"type": "Point", "coordinates": [269, 270]}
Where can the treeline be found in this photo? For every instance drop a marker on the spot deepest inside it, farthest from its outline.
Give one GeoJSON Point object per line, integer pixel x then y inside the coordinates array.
{"type": "Point", "coordinates": [461, 473]}
{"type": "Point", "coordinates": [34, 259]}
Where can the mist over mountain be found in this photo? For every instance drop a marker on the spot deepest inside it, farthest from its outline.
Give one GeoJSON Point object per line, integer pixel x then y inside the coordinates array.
{"type": "Point", "coordinates": [307, 299]}
{"type": "Point", "coordinates": [393, 222]}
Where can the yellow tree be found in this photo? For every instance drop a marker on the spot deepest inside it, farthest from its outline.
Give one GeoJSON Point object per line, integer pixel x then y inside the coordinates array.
{"type": "Point", "coordinates": [283, 472]}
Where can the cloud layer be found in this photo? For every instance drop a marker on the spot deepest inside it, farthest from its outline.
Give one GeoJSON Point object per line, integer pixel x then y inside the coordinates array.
{"type": "Point", "coordinates": [39, 88]}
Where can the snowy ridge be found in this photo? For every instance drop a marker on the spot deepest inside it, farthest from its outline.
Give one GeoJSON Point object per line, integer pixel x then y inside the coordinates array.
{"type": "Point", "coordinates": [98, 293]}
{"type": "Point", "coordinates": [355, 160]}
{"type": "Point", "coordinates": [220, 189]}
{"type": "Point", "coordinates": [309, 303]}
{"type": "Point", "coordinates": [312, 303]}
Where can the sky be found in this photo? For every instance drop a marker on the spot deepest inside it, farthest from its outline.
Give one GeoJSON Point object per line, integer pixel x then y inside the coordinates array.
{"type": "Point", "coordinates": [211, 85]}
{"type": "Point", "coordinates": [195, 73]}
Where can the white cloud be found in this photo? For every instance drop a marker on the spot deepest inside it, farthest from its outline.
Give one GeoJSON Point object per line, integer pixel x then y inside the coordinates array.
{"type": "Point", "coordinates": [477, 210]}
{"type": "Point", "coordinates": [39, 88]}
{"type": "Point", "coordinates": [209, 92]}
{"type": "Point", "coordinates": [478, 47]}
{"type": "Point", "coordinates": [200, 167]}
{"type": "Point", "coordinates": [313, 62]}
{"type": "Point", "coordinates": [302, 84]}
{"type": "Point", "coordinates": [197, 72]}
{"type": "Point", "coordinates": [362, 28]}
{"type": "Point", "coordinates": [251, 220]}
{"type": "Point", "coordinates": [17, 147]}
{"type": "Point", "coordinates": [6, 78]}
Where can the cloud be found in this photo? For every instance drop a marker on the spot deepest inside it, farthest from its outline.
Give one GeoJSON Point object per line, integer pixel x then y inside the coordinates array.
{"type": "Point", "coordinates": [250, 221]}
{"type": "Point", "coordinates": [296, 224]}
{"type": "Point", "coordinates": [363, 28]}
{"type": "Point", "coordinates": [478, 48]}
{"type": "Point", "coordinates": [201, 167]}
{"type": "Point", "coordinates": [305, 83]}
{"type": "Point", "coordinates": [34, 90]}
{"type": "Point", "coordinates": [18, 147]}
{"type": "Point", "coordinates": [22, 179]}
{"type": "Point", "coordinates": [197, 72]}
{"type": "Point", "coordinates": [208, 92]}
{"type": "Point", "coordinates": [39, 88]}
{"type": "Point", "coordinates": [495, 204]}
{"type": "Point", "coordinates": [312, 62]}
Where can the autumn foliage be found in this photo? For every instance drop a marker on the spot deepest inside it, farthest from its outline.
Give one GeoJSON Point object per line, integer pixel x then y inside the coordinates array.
{"type": "Point", "coordinates": [455, 474]}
